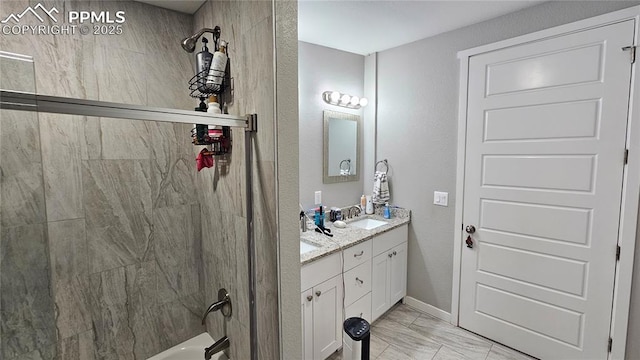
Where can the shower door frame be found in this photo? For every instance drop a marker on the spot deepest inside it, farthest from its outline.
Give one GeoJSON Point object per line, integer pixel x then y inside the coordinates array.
{"type": "Point", "coordinates": [29, 101]}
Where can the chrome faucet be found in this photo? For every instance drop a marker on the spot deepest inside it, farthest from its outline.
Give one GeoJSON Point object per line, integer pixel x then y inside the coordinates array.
{"type": "Point", "coordinates": [223, 304]}
{"type": "Point", "coordinates": [353, 211]}
{"type": "Point", "coordinates": [218, 346]}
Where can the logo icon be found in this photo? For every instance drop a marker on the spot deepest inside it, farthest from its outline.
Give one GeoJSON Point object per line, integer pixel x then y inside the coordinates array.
{"type": "Point", "coordinates": [32, 10]}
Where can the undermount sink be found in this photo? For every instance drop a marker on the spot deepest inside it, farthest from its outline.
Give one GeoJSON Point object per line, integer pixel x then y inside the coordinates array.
{"type": "Point", "coordinates": [306, 247]}
{"type": "Point", "coordinates": [368, 224]}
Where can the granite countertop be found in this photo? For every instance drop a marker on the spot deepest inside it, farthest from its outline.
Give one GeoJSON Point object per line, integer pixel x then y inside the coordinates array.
{"type": "Point", "coordinates": [349, 236]}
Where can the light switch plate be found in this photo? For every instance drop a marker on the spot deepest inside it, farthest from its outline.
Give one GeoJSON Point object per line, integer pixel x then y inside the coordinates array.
{"type": "Point", "coordinates": [318, 197]}
{"type": "Point", "coordinates": [441, 198]}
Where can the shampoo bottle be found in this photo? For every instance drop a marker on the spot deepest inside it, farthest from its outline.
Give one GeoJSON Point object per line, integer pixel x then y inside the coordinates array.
{"type": "Point", "coordinates": [363, 202]}
{"type": "Point", "coordinates": [218, 67]}
{"type": "Point", "coordinates": [203, 65]}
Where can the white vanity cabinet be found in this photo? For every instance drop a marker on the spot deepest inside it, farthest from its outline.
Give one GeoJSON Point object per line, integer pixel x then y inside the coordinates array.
{"type": "Point", "coordinates": [389, 270]}
{"type": "Point", "coordinates": [321, 304]}
{"type": "Point", "coordinates": [372, 275]}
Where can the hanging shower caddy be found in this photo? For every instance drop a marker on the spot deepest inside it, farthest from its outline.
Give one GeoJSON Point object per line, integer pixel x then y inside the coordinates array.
{"type": "Point", "coordinates": [203, 85]}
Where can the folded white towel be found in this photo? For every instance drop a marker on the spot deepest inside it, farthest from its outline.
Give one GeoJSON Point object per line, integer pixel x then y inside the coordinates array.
{"type": "Point", "coordinates": [380, 188]}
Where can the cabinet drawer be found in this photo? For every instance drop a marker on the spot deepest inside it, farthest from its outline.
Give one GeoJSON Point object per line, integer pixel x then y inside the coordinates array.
{"type": "Point", "coordinates": [357, 282]}
{"type": "Point", "coordinates": [389, 239]}
{"type": "Point", "coordinates": [319, 271]}
{"type": "Point", "coordinates": [357, 255]}
{"type": "Point", "coordinates": [360, 308]}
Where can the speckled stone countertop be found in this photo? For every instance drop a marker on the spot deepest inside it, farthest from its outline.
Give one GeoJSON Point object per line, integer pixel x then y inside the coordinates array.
{"type": "Point", "coordinates": [349, 236]}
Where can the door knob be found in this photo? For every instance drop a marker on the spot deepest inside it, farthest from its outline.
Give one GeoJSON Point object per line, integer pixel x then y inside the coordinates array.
{"type": "Point", "coordinates": [309, 297]}
{"type": "Point", "coordinates": [470, 229]}
{"type": "Point", "coordinates": [469, 242]}
{"type": "Point", "coordinates": [318, 293]}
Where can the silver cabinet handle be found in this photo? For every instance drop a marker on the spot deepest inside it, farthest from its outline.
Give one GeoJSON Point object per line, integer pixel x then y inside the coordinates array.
{"type": "Point", "coordinates": [318, 293]}
{"type": "Point", "coordinates": [390, 255]}
{"type": "Point", "coordinates": [360, 281]}
{"type": "Point", "coordinates": [361, 252]}
{"type": "Point", "coordinates": [309, 297]}
{"type": "Point", "coordinates": [395, 253]}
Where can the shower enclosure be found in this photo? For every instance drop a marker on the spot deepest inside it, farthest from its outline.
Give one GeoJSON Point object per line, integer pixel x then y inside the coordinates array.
{"type": "Point", "coordinates": [112, 245]}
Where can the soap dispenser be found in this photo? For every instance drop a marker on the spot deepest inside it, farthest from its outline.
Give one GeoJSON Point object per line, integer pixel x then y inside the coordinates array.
{"type": "Point", "coordinates": [203, 65]}
{"type": "Point", "coordinates": [369, 208]}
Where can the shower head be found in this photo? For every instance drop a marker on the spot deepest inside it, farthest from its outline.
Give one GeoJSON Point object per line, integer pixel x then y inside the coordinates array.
{"type": "Point", "coordinates": [189, 43]}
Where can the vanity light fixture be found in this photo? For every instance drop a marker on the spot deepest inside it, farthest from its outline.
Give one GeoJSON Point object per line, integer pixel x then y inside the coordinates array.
{"type": "Point", "coordinates": [346, 100]}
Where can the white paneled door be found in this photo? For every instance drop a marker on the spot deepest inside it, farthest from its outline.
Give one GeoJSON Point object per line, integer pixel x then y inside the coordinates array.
{"type": "Point", "coordinates": [546, 130]}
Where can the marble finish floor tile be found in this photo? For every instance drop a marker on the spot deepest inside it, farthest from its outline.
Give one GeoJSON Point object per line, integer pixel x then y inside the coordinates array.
{"type": "Point", "coordinates": [404, 333]}
{"type": "Point", "coordinates": [402, 314]}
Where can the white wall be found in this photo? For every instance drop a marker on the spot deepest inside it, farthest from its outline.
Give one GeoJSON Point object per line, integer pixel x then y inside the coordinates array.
{"type": "Point", "coordinates": [321, 69]}
{"type": "Point", "coordinates": [416, 132]}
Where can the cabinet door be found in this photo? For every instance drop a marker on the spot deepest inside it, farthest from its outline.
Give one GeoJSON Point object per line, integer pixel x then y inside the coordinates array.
{"type": "Point", "coordinates": [379, 285]}
{"type": "Point", "coordinates": [327, 317]}
{"type": "Point", "coordinates": [306, 301]}
{"type": "Point", "coordinates": [398, 270]}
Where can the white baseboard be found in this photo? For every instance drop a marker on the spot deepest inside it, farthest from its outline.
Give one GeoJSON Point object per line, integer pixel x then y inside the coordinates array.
{"type": "Point", "coordinates": [427, 309]}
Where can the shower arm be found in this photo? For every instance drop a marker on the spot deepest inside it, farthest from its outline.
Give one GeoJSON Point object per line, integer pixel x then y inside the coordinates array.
{"type": "Point", "coordinates": [189, 43]}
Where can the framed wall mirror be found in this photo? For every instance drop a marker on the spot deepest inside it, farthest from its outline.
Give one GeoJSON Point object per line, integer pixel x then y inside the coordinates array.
{"type": "Point", "coordinates": [341, 147]}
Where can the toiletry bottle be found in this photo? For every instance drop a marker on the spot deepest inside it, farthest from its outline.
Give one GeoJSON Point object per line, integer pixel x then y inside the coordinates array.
{"type": "Point", "coordinates": [363, 202]}
{"type": "Point", "coordinates": [319, 217]}
{"type": "Point", "coordinates": [218, 67]}
{"type": "Point", "coordinates": [213, 106]}
{"type": "Point", "coordinates": [369, 207]}
{"type": "Point", "coordinates": [203, 64]}
{"type": "Point", "coordinates": [387, 211]}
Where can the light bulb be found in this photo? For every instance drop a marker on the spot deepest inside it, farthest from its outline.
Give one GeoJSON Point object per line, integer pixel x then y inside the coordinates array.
{"type": "Point", "coordinates": [335, 97]}
{"type": "Point", "coordinates": [364, 102]}
{"type": "Point", "coordinates": [345, 99]}
{"type": "Point", "coordinates": [355, 101]}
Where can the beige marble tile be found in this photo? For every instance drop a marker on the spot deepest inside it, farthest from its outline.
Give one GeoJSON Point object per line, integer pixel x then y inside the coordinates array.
{"type": "Point", "coordinates": [114, 338]}
{"type": "Point", "coordinates": [125, 139]}
{"type": "Point", "coordinates": [78, 347]}
{"type": "Point", "coordinates": [402, 314]}
{"type": "Point", "coordinates": [395, 353]}
{"type": "Point", "coordinates": [405, 340]}
{"type": "Point", "coordinates": [117, 200]}
{"type": "Point", "coordinates": [446, 353]}
{"type": "Point", "coordinates": [91, 140]}
{"type": "Point", "coordinates": [462, 341]}
{"type": "Point", "coordinates": [258, 49]}
{"type": "Point", "coordinates": [176, 252]}
{"type": "Point", "coordinates": [21, 178]}
{"type": "Point", "coordinates": [61, 162]}
{"type": "Point", "coordinates": [123, 74]}
{"type": "Point", "coordinates": [27, 322]}
{"type": "Point", "coordinates": [173, 172]}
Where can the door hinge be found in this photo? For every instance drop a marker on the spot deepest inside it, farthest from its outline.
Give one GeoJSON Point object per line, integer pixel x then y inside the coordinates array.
{"type": "Point", "coordinates": [626, 156]}
{"type": "Point", "coordinates": [632, 52]}
{"type": "Point", "coordinates": [618, 252]}
{"type": "Point", "coordinates": [610, 345]}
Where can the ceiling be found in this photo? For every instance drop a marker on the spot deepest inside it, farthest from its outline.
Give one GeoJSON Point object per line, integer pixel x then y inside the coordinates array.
{"type": "Point", "coordinates": [366, 26]}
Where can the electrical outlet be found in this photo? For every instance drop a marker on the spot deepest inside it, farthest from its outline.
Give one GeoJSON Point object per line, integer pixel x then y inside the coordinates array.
{"type": "Point", "coordinates": [318, 197]}
{"type": "Point", "coordinates": [440, 198]}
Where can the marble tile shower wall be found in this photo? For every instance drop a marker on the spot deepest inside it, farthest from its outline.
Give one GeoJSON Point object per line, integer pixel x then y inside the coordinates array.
{"type": "Point", "coordinates": [248, 26]}
{"type": "Point", "coordinates": [100, 219]}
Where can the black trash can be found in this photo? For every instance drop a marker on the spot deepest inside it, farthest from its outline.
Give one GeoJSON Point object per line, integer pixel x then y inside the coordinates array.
{"type": "Point", "coordinates": [359, 332]}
